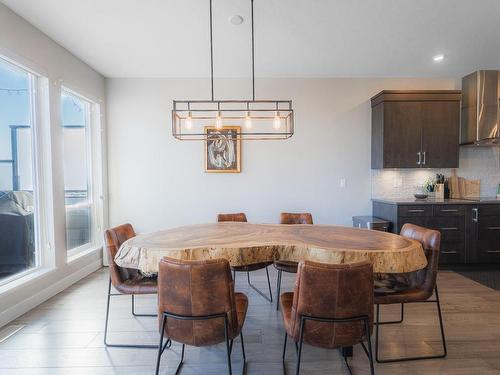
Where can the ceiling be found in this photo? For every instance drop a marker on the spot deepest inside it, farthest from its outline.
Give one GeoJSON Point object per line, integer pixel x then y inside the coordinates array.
{"type": "Point", "coordinates": [294, 38]}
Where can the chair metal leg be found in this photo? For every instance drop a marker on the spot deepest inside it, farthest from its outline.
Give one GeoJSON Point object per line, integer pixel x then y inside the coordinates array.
{"type": "Point", "coordinates": [369, 342]}
{"type": "Point", "coordinates": [106, 327]}
{"type": "Point", "coordinates": [182, 360]}
{"type": "Point", "coordinates": [401, 318]}
{"type": "Point", "coordinates": [278, 290]}
{"type": "Point", "coordinates": [244, 356]}
{"type": "Point", "coordinates": [270, 298]}
{"type": "Point", "coordinates": [284, 354]}
{"type": "Point", "coordinates": [160, 345]}
{"type": "Point", "coordinates": [140, 315]}
{"type": "Point", "coordinates": [404, 359]}
{"type": "Point", "coordinates": [228, 349]}
{"type": "Point", "coordinates": [299, 352]}
{"type": "Point", "coordinates": [347, 365]}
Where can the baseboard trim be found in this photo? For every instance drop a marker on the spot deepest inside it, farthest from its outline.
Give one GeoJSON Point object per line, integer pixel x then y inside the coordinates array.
{"type": "Point", "coordinates": [28, 304]}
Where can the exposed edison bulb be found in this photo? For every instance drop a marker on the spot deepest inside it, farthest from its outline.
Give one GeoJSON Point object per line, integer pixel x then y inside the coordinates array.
{"type": "Point", "coordinates": [189, 121]}
{"type": "Point", "coordinates": [248, 121]}
{"type": "Point", "coordinates": [218, 120]}
{"type": "Point", "coordinates": [277, 120]}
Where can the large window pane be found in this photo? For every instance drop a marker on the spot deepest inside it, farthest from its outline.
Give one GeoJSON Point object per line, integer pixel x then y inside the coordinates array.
{"type": "Point", "coordinates": [77, 170]}
{"type": "Point", "coordinates": [18, 191]}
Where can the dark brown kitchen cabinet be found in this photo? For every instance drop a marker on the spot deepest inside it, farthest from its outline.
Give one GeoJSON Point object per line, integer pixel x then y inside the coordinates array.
{"type": "Point", "coordinates": [486, 232]}
{"type": "Point", "coordinates": [470, 231]}
{"type": "Point", "coordinates": [415, 129]}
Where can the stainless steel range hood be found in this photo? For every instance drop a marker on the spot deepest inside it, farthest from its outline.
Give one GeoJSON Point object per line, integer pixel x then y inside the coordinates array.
{"type": "Point", "coordinates": [480, 109]}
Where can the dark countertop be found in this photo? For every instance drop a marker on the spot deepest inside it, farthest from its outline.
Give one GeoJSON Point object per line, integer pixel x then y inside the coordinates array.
{"type": "Point", "coordinates": [413, 201]}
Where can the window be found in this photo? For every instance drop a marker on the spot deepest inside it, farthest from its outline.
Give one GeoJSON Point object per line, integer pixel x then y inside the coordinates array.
{"type": "Point", "coordinates": [19, 200]}
{"type": "Point", "coordinates": [79, 177]}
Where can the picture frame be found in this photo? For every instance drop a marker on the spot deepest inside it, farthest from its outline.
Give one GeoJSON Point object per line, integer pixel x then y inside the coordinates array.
{"type": "Point", "coordinates": [222, 149]}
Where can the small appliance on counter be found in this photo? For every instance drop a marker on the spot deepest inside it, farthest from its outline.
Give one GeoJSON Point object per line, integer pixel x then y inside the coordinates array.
{"type": "Point", "coordinates": [371, 222]}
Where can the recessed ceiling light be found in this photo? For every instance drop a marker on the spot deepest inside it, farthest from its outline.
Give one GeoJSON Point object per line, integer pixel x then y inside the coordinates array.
{"type": "Point", "coordinates": [236, 20]}
{"type": "Point", "coordinates": [438, 58]}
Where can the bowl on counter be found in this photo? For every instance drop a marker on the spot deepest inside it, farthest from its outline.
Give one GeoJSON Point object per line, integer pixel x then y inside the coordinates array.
{"type": "Point", "coordinates": [420, 195]}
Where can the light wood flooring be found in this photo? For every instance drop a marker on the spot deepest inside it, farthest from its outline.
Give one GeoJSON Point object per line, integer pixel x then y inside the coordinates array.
{"type": "Point", "coordinates": [65, 336]}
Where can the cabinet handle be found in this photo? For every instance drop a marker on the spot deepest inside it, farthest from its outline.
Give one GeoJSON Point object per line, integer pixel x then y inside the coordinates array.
{"type": "Point", "coordinates": [451, 228]}
{"type": "Point", "coordinates": [414, 211]}
{"type": "Point", "coordinates": [493, 228]}
{"type": "Point", "coordinates": [419, 161]}
{"type": "Point", "coordinates": [475, 215]}
{"type": "Point", "coordinates": [423, 163]}
{"type": "Point", "coordinates": [493, 251]}
{"type": "Point", "coordinates": [448, 252]}
{"type": "Point", "coordinates": [449, 210]}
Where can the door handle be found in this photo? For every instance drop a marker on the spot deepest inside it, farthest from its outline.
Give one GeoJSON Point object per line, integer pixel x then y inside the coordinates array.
{"type": "Point", "coordinates": [475, 215]}
{"type": "Point", "coordinates": [423, 163]}
{"type": "Point", "coordinates": [449, 210]}
{"type": "Point", "coordinates": [419, 161]}
{"type": "Point", "coordinates": [448, 252]}
{"type": "Point", "coordinates": [414, 211]}
{"type": "Point", "coordinates": [493, 228]}
{"type": "Point", "coordinates": [451, 228]}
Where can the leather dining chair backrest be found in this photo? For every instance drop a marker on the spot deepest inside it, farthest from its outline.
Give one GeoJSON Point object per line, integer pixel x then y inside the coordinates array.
{"type": "Point", "coordinates": [332, 291]}
{"type": "Point", "coordinates": [296, 218]}
{"type": "Point", "coordinates": [430, 239]}
{"type": "Point", "coordinates": [113, 239]}
{"type": "Point", "coordinates": [196, 288]}
{"type": "Point", "coordinates": [239, 217]}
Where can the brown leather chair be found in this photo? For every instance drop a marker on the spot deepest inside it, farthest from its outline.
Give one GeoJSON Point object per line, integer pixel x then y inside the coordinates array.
{"type": "Point", "coordinates": [125, 280]}
{"type": "Point", "coordinates": [413, 287]}
{"type": "Point", "coordinates": [331, 307]}
{"type": "Point", "coordinates": [285, 265]}
{"type": "Point", "coordinates": [242, 218]}
{"type": "Point", "coordinates": [197, 306]}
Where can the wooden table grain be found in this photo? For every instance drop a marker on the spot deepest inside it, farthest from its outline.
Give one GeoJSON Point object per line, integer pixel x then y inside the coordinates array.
{"type": "Point", "coordinates": [247, 243]}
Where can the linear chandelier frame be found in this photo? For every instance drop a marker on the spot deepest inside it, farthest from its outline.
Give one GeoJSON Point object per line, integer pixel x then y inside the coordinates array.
{"type": "Point", "coordinates": [256, 119]}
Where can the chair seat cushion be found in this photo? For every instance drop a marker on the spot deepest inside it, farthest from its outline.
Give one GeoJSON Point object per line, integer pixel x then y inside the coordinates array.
{"type": "Point", "coordinates": [286, 301]}
{"type": "Point", "coordinates": [397, 288]}
{"type": "Point", "coordinates": [138, 285]}
{"type": "Point", "coordinates": [241, 302]}
{"type": "Point", "coordinates": [251, 267]}
{"type": "Point", "coordinates": [286, 266]}
{"type": "Point", "coordinates": [405, 296]}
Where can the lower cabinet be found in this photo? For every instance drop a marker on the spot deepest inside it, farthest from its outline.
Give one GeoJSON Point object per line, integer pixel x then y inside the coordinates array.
{"type": "Point", "coordinates": [469, 233]}
{"type": "Point", "coordinates": [486, 233]}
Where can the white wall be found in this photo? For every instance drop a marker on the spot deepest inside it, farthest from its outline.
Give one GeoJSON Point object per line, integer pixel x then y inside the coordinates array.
{"type": "Point", "coordinates": [22, 42]}
{"type": "Point", "coordinates": [158, 182]}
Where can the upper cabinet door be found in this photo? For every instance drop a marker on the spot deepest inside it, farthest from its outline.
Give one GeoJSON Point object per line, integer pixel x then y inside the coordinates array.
{"type": "Point", "coordinates": [402, 135]}
{"type": "Point", "coordinates": [440, 134]}
{"type": "Point", "coordinates": [415, 129]}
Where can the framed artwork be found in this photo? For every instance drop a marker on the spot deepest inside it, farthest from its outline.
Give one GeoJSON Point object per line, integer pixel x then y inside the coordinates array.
{"type": "Point", "coordinates": [222, 150]}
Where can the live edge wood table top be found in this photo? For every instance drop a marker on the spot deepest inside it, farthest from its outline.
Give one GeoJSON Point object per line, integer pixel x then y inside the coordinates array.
{"type": "Point", "coordinates": [246, 243]}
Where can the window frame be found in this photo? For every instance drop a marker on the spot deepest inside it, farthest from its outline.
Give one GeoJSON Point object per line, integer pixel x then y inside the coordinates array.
{"type": "Point", "coordinates": [94, 172]}
{"type": "Point", "coordinates": [38, 97]}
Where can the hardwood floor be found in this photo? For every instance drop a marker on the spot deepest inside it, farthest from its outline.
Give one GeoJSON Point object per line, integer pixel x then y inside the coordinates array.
{"type": "Point", "coordinates": [65, 336]}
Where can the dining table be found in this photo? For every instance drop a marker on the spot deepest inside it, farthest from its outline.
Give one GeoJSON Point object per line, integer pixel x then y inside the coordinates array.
{"type": "Point", "coordinates": [248, 243]}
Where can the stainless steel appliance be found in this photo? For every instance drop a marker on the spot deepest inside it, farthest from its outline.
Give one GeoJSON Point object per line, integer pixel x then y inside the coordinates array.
{"type": "Point", "coordinates": [480, 109]}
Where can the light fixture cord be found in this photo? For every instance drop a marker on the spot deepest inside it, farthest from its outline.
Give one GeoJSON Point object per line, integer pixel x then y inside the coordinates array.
{"type": "Point", "coordinates": [253, 57]}
{"type": "Point", "coordinates": [211, 53]}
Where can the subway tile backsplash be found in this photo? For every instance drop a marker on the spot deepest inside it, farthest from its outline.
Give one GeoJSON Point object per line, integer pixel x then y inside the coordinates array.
{"type": "Point", "coordinates": [481, 163]}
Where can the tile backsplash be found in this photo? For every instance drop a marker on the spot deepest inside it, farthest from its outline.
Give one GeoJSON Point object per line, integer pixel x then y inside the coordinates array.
{"type": "Point", "coordinates": [481, 163]}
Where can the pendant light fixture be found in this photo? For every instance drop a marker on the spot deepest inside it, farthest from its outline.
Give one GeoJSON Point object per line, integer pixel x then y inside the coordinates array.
{"type": "Point", "coordinates": [257, 119]}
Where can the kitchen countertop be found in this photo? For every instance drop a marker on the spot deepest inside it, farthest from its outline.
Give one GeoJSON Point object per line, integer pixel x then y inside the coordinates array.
{"type": "Point", "coordinates": [413, 201]}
